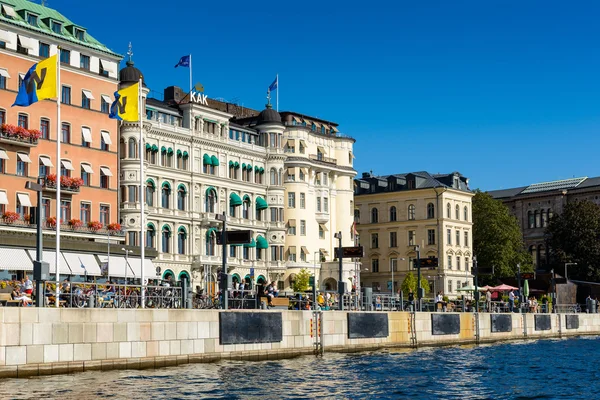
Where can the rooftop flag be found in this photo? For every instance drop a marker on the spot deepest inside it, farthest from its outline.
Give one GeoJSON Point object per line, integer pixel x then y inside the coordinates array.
{"type": "Point", "coordinates": [184, 62]}
{"type": "Point", "coordinates": [39, 83]}
{"type": "Point", "coordinates": [273, 86]}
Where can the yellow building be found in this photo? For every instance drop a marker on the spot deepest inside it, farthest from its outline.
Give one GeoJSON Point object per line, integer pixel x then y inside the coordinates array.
{"type": "Point", "coordinates": [398, 215]}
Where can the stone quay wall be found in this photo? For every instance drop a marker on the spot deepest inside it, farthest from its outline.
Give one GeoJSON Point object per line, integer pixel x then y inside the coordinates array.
{"type": "Point", "coordinates": [56, 341]}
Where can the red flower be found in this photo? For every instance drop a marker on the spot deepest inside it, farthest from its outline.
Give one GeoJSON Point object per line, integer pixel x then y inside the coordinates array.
{"type": "Point", "coordinates": [94, 225]}
{"type": "Point", "coordinates": [10, 217]}
{"type": "Point", "coordinates": [114, 227]}
{"type": "Point", "coordinates": [75, 223]}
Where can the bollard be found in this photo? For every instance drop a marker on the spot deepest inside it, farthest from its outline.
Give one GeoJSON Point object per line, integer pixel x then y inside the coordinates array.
{"type": "Point", "coordinates": [91, 300]}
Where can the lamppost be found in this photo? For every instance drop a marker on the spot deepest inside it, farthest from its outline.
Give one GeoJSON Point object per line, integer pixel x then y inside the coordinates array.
{"type": "Point", "coordinates": [566, 265]}
{"type": "Point", "coordinates": [392, 268]}
{"type": "Point", "coordinates": [126, 265]}
{"type": "Point", "coordinates": [419, 290]}
{"type": "Point", "coordinates": [315, 275]}
{"type": "Point", "coordinates": [341, 275]}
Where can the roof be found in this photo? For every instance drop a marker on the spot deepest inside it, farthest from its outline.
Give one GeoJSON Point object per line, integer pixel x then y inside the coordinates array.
{"type": "Point", "coordinates": [131, 74]}
{"type": "Point", "coordinates": [268, 115]}
{"type": "Point", "coordinates": [46, 14]}
{"type": "Point", "coordinates": [554, 185]}
{"type": "Point", "coordinates": [369, 184]}
{"type": "Point", "coordinates": [504, 193]}
{"type": "Point", "coordinates": [542, 187]}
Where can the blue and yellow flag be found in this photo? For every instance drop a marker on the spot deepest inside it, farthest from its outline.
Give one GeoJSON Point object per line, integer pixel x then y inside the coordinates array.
{"type": "Point", "coordinates": [39, 83]}
{"type": "Point", "coordinates": [126, 104]}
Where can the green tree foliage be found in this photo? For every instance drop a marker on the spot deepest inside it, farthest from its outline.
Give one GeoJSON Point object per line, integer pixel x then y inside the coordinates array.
{"type": "Point", "coordinates": [574, 237]}
{"type": "Point", "coordinates": [301, 282]}
{"type": "Point", "coordinates": [410, 283]}
{"type": "Point", "coordinates": [497, 238]}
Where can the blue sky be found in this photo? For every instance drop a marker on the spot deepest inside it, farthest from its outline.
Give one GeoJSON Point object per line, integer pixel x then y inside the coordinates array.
{"type": "Point", "coordinates": [506, 92]}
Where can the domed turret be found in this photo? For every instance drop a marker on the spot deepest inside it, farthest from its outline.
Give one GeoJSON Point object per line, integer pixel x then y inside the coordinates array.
{"type": "Point", "coordinates": [131, 74]}
{"type": "Point", "coordinates": [268, 115]}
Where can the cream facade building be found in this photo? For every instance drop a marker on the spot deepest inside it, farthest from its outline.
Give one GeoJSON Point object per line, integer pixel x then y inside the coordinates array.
{"type": "Point", "coordinates": [397, 213]}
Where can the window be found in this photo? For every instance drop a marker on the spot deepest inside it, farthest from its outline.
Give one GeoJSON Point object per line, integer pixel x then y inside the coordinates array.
{"type": "Point", "coordinates": [104, 105]}
{"type": "Point", "coordinates": [457, 212]}
{"type": "Point", "coordinates": [466, 212]}
{"type": "Point", "coordinates": [79, 34]}
{"type": "Point", "coordinates": [45, 209]}
{"type": "Point", "coordinates": [85, 212]}
{"type": "Point", "coordinates": [165, 194]}
{"type": "Point", "coordinates": [375, 265]}
{"type": "Point", "coordinates": [430, 236]}
{"type": "Point", "coordinates": [86, 101]}
{"type": "Point", "coordinates": [44, 166]}
{"type": "Point", "coordinates": [104, 214]}
{"type": "Point", "coordinates": [318, 204]}
{"type": "Point", "coordinates": [2, 166]}
{"type": "Point", "coordinates": [412, 238]}
{"type": "Point", "coordinates": [301, 175]}
{"type": "Point", "coordinates": [544, 219]}
{"type": "Point", "coordinates": [2, 116]}
{"type": "Point", "coordinates": [84, 62]}
{"type": "Point", "coordinates": [32, 19]}
{"type": "Point", "coordinates": [22, 162]}
{"type": "Point", "coordinates": [274, 214]}
{"type": "Point", "coordinates": [392, 213]}
{"type": "Point", "coordinates": [65, 133]}
{"type": "Point", "coordinates": [131, 193]}
{"type": "Point", "coordinates": [181, 195]}
{"type": "Point", "coordinates": [23, 121]}
{"type": "Point", "coordinates": [321, 232]}
{"type": "Point", "coordinates": [393, 264]}
{"type": "Point", "coordinates": [181, 239]}
{"type": "Point", "coordinates": [105, 175]}
{"type": "Point", "coordinates": [326, 204]}
{"type": "Point", "coordinates": [45, 128]}
{"type": "Point", "coordinates": [531, 219]}
{"type": "Point", "coordinates": [374, 240]}
{"type": "Point", "coordinates": [85, 174]}
{"type": "Point", "coordinates": [150, 189]}
{"type": "Point", "coordinates": [21, 208]}
{"type": "Point", "coordinates": [104, 141]}
{"type": "Point", "coordinates": [458, 267]}
{"type": "Point", "coordinates": [56, 27]}
{"type": "Point", "coordinates": [457, 238]}
{"type": "Point", "coordinates": [273, 174]}
{"type": "Point", "coordinates": [65, 56]}
{"type": "Point", "coordinates": [44, 50]}
{"type": "Point", "coordinates": [466, 239]}
{"type": "Point", "coordinates": [292, 227]}
{"type": "Point", "coordinates": [150, 235]}
{"type": "Point", "coordinates": [65, 168]}
{"type": "Point", "coordinates": [211, 200]}
{"type": "Point", "coordinates": [449, 262]}
{"type": "Point", "coordinates": [2, 81]}
{"type": "Point", "coordinates": [537, 219]}
{"type": "Point", "coordinates": [449, 236]}
{"type": "Point", "coordinates": [374, 216]}
{"type": "Point", "coordinates": [411, 212]}
{"type": "Point", "coordinates": [291, 200]}
{"type": "Point", "coordinates": [393, 239]}
{"type": "Point", "coordinates": [65, 210]}
{"type": "Point", "coordinates": [302, 227]}
{"type": "Point", "coordinates": [65, 95]}
{"type": "Point", "coordinates": [166, 235]}
{"type": "Point", "coordinates": [449, 286]}
{"type": "Point", "coordinates": [303, 200]}
{"type": "Point", "coordinates": [132, 148]}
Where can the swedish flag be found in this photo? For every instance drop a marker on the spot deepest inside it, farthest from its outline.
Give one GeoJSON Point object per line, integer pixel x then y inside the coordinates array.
{"type": "Point", "coordinates": [126, 104]}
{"type": "Point", "coordinates": [39, 83]}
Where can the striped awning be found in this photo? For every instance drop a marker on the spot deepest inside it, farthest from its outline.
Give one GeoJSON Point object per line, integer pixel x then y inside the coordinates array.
{"type": "Point", "coordinates": [50, 257]}
{"type": "Point", "coordinates": [77, 262]}
{"type": "Point", "coordinates": [12, 259]}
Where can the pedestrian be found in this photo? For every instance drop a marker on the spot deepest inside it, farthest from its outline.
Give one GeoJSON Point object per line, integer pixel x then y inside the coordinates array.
{"type": "Point", "coordinates": [488, 301]}
{"type": "Point", "coordinates": [511, 300]}
{"type": "Point", "coordinates": [411, 300]}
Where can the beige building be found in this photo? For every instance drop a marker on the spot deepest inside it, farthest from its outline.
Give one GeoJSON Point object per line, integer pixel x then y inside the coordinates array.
{"type": "Point", "coordinates": [395, 214]}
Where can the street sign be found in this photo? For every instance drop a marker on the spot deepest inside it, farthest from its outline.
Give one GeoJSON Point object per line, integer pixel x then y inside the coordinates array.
{"type": "Point", "coordinates": [235, 237]}
{"type": "Point", "coordinates": [252, 273]}
{"type": "Point", "coordinates": [527, 275]}
{"type": "Point", "coordinates": [429, 263]}
{"type": "Point", "coordinates": [350, 252]}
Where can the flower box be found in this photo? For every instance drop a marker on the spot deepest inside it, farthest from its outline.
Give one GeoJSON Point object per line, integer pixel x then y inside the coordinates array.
{"type": "Point", "coordinates": [10, 217]}
{"type": "Point", "coordinates": [20, 135]}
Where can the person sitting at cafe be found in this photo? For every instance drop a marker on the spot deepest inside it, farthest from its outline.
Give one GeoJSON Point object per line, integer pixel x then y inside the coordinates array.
{"type": "Point", "coordinates": [270, 293]}
{"type": "Point", "coordinates": [17, 295]}
{"type": "Point", "coordinates": [27, 286]}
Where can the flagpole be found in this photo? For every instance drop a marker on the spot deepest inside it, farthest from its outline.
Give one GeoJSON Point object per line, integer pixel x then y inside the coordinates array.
{"type": "Point", "coordinates": [142, 199]}
{"type": "Point", "coordinates": [58, 178]}
{"type": "Point", "coordinates": [190, 85]}
{"type": "Point", "coordinates": [277, 94]}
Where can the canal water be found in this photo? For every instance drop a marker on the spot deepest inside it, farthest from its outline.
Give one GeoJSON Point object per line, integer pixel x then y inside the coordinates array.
{"type": "Point", "coordinates": [544, 369]}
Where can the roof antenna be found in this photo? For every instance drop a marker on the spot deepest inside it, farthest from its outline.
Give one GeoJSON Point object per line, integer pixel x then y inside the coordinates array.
{"type": "Point", "coordinates": [44, 3]}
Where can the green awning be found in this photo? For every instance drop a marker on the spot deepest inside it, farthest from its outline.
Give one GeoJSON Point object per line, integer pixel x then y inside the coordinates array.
{"type": "Point", "coordinates": [236, 164]}
{"type": "Point", "coordinates": [166, 229]}
{"type": "Point", "coordinates": [182, 186]}
{"type": "Point", "coordinates": [249, 167]}
{"type": "Point", "coordinates": [210, 231]}
{"type": "Point", "coordinates": [148, 146]}
{"type": "Point", "coordinates": [151, 226]}
{"type": "Point", "coordinates": [231, 164]}
{"type": "Point", "coordinates": [261, 242]}
{"type": "Point", "coordinates": [170, 150]}
{"type": "Point", "coordinates": [185, 154]}
{"type": "Point", "coordinates": [210, 120]}
{"type": "Point", "coordinates": [243, 165]}
{"type": "Point", "coordinates": [251, 244]}
{"type": "Point", "coordinates": [246, 197]}
{"type": "Point", "coordinates": [215, 161]}
{"type": "Point", "coordinates": [235, 245]}
{"type": "Point", "coordinates": [256, 169]}
{"type": "Point", "coordinates": [150, 181]}
{"type": "Point", "coordinates": [261, 203]}
{"type": "Point", "coordinates": [167, 184]}
{"type": "Point", "coordinates": [262, 170]}
{"type": "Point", "coordinates": [179, 153]}
{"type": "Point", "coordinates": [234, 200]}
{"type": "Point", "coordinates": [211, 189]}
{"type": "Point", "coordinates": [154, 148]}
{"type": "Point", "coordinates": [182, 230]}
{"type": "Point", "coordinates": [206, 159]}
{"type": "Point", "coordinates": [163, 149]}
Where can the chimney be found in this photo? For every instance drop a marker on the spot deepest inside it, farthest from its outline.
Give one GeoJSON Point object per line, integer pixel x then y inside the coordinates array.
{"type": "Point", "coordinates": [173, 94]}
{"type": "Point", "coordinates": [366, 175]}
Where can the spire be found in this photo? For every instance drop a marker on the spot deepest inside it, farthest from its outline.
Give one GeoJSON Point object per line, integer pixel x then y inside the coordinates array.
{"type": "Point", "coordinates": [268, 105]}
{"type": "Point", "coordinates": [130, 54]}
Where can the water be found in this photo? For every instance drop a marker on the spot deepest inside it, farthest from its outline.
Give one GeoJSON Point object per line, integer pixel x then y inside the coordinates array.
{"type": "Point", "coordinates": [545, 369]}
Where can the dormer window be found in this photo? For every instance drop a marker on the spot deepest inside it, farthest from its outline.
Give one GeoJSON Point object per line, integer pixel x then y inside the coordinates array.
{"type": "Point", "coordinates": [8, 11]}
{"type": "Point", "coordinates": [56, 27]}
{"type": "Point", "coordinates": [32, 19]}
{"type": "Point", "coordinates": [80, 34]}
{"type": "Point", "coordinates": [313, 127]}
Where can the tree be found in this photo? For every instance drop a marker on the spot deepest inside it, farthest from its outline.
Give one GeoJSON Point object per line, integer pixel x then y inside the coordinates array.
{"type": "Point", "coordinates": [497, 238]}
{"type": "Point", "coordinates": [301, 281]}
{"type": "Point", "coordinates": [574, 237]}
{"type": "Point", "coordinates": [410, 283]}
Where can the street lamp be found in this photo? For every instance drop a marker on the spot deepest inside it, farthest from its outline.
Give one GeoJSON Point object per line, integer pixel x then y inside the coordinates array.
{"type": "Point", "coordinates": [566, 265]}
{"type": "Point", "coordinates": [126, 264]}
{"type": "Point", "coordinates": [392, 268]}
{"type": "Point", "coordinates": [315, 276]}
{"type": "Point", "coordinates": [419, 290]}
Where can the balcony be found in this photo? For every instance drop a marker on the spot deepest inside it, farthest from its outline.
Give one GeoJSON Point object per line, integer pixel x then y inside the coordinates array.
{"type": "Point", "coordinates": [18, 136]}
{"type": "Point", "coordinates": [327, 160]}
{"type": "Point", "coordinates": [276, 266]}
{"type": "Point", "coordinates": [16, 223]}
{"type": "Point", "coordinates": [322, 217]}
{"type": "Point", "coordinates": [67, 185]}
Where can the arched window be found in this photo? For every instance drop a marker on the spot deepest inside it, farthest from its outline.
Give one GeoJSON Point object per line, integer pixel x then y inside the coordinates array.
{"type": "Point", "coordinates": [280, 176]}
{"type": "Point", "coordinates": [211, 240]}
{"type": "Point", "coordinates": [411, 212]}
{"type": "Point", "coordinates": [374, 215]}
{"type": "Point", "coordinates": [466, 211]}
{"type": "Point", "coordinates": [150, 235]}
{"type": "Point", "coordinates": [246, 207]}
{"type": "Point", "coordinates": [165, 195]}
{"type": "Point", "coordinates": [273, 176]}
{"type": "Point", "coordinates": [181, 195]}
{"type": "Point", "coordinates": [531, 219]}
{"type": "Point", "coordinates": [181, 239]}
{"type": "Point", "coordinates": [550, 214]}
{"type": "Point", "coordinates": [211, 200]}
{"type": "Point", "coordinates": [448, 211]}
{"type": "Point", "coordinates": [357, 216]}
{"type": "Point", "coordinates": [166, 236]}
{"type": "Point", "coordinates": [430, 211]}
{"type": "Point", "coordinates": [392, 213]}
{"type": "Point", "coordinates": [150, 189]}
{"type": "Point", "coordinates": [132, 148]}
{"type": "Point", "coordinates": [122, 148]}
{"type": "Point", "coordinates": [537, 219]}
{"type": "Point", "coordinates": [457, 212]}
{"type": "Point", "coordinates": [544, 220]}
